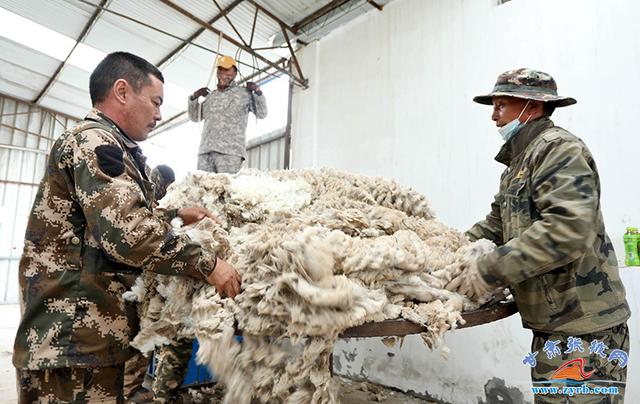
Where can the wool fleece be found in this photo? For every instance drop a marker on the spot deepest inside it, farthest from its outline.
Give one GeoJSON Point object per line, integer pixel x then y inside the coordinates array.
{"type": "Point", "coordinates": [319, 251]}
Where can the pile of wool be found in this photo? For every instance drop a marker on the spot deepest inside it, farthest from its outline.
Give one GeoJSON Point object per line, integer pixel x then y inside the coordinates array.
{"type": "Point", "coordinates": [319, 251]}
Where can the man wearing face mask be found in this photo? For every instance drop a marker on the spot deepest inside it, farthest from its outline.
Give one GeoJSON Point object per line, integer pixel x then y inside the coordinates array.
{"type": "Point", "coordinates": [553, 252]}
{"type": "Point", "coordinates": [225, 112]}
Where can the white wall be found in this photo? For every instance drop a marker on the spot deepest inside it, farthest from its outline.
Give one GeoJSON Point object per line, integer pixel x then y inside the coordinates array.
{"type": "Point", "coordinates": [391, 94]}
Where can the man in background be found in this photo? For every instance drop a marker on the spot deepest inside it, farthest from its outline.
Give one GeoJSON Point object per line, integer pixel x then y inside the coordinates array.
{"type": "Point", "coordinates": [225, 112]}
{"type": "Point", "coordinates": [162, 176]}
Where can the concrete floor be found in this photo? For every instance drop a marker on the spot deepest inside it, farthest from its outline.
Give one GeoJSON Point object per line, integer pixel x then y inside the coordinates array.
{"type": "Point", "coordinates": [9, 319]}
{"type": "Point", "coordinates": [350, 391]}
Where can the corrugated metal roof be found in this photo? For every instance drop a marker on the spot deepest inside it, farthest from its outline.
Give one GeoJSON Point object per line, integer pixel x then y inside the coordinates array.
{"type": "Point", "coordinates": [153, 30]}
{"type": "Point", "coordinates": [24, 71]}
{"type": "Point", "coordinates": [63, 16]}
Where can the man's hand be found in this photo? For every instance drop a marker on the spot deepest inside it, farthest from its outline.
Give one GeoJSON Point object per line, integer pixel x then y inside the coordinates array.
{"type": "Point", "coordinates": [470, 283]}
{"type": "Point", "coordinates": [194, 214]}
{"type": "Point", "coordinates": [251, 86]}
{"type": "Point", "coordinates": [201, 92]}
{"type": "Point", "coordinates": [225, 278]}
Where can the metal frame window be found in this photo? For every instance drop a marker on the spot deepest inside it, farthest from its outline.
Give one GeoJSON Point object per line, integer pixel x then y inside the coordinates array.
{"type": "Point", "coordinates": [27, 133]}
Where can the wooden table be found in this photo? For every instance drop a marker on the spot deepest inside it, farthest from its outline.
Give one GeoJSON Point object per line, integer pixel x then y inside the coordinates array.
{"type": "Point", "coordinates": [401, 327]}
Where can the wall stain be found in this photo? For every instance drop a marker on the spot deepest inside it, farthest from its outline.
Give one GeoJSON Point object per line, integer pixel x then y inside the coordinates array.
{"type": "Point", "coordinates": [496, 391]}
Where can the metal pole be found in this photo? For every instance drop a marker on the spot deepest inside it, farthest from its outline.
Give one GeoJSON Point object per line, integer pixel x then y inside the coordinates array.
{"type": "Point", "coordinates": [287, 139]}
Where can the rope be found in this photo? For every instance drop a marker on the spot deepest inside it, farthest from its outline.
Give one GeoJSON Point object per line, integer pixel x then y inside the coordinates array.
{"type": "Point", "coordinates": [215, 62]}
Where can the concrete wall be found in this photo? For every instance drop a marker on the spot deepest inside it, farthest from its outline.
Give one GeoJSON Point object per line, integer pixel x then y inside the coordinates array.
{"type": "Point", "coordinates": [390, 94]}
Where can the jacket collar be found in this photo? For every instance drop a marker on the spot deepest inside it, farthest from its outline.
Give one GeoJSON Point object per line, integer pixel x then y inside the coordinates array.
{"type": "Point", "coordinates": [229, 87]}
{"type": "Point", "coordinates": [98, 116]}
{"type": "Point", "coordinates": [516, 145]}
{"type": "Point", "coordinates": [132, 147]}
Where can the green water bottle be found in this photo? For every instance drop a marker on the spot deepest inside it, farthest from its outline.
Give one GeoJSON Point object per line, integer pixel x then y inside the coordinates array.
{"type": "Point", "coordinates": [631, 239]}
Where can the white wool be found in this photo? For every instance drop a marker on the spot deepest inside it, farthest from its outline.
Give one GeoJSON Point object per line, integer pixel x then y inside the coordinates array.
{"type": "Point", "coordinates": [269, 193]}
{"type": "Point", "coordinates": [319, 251]}
{"type": "Point", "coordinates": [137, 292]}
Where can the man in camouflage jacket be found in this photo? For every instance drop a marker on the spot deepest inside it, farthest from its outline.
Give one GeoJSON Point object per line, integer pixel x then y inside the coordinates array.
{"type": "Point", "coordinates": [225, 112]}
{"type": "Point", "coordinates": [162, 176]}
{"type": "Point", "coordinates": [93, 224]}
{"type": "Point", "coordinates": [553, 252]}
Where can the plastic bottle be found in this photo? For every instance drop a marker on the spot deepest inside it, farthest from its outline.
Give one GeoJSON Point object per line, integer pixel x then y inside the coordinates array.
{"type": "Point", "coordinates": [631, 239]}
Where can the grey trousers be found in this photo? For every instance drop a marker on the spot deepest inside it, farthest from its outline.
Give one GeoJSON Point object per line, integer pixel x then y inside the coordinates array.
{"type": "Point", "coordinates": [215, 162]}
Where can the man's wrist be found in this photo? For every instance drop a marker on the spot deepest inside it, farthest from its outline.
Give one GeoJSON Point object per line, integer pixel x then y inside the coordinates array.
{"type": "Point", "coordinates": [258, 93]}
{"type": "Point", "coordinates": [207, 264]}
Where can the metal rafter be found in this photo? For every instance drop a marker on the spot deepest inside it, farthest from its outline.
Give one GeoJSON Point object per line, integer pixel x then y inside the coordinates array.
{"type": "Point", "coordinates": [257, 73]}
{"type": "Point", "coordinates": [228, 39]}
{"type": "Point", "coordinates": [293, 54]}
{"type": "Point", "coordinates": [253, 28]}
{"type": "Point", "coordinates": [295, 28]}
{"type": "Point", "coordinates": [376, 5]}
{"type": "Point", "coordinates": [151, 27]}
{"type": "Point", "coordinates": [196, 34]}
{"type": "Point", "coordinates": [284, 27]}
{"type": "Point", "coordinates": [85, 31]}
{"type": "Point", "coordinates": [271, 15]}
{"type": "Point", "coordinates": [226, 17]}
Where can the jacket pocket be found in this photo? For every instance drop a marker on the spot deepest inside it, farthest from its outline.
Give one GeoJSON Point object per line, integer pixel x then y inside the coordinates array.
{"type": "Point", "coordinates": [547, 292]}
{"type": "Point", "coordinates": [72, 243]}
{"type": "Point", "coordinates": [517, 209]}
{"type": "Point", "coordinates": [549, 301]}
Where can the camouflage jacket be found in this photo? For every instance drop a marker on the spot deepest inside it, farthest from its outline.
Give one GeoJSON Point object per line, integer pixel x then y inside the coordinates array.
{"type": "Point", "coordinates": [225, 115]}
{"type": "Point", "coordinates": [553, 250]}
{"type": "Point", "coordinates": [93, 226]}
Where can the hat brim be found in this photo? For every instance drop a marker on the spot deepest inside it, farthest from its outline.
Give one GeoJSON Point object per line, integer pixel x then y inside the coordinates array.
{"type": "Point", "coordinates": [559, 101]}
{"type": "Point", "coordinates": [226, 65]}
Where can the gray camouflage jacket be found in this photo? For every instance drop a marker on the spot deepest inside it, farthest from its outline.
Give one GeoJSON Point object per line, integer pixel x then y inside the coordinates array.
{"type": "Point", "coordinates": [553, 250]}
{"type": "Point", "coordinates": [225, 115]}
{"type": "Point", "coordinates": [92, 228]}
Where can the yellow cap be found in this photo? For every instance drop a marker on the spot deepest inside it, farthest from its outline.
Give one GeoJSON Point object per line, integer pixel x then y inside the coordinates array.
{"type": "Point", "coordinates": [226, 62]}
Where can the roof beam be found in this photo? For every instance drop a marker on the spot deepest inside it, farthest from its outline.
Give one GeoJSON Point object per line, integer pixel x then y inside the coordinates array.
{"type": "Point", "coordinates": [196, 34]}
{"type": "Point", "coordinates": [376, 5]}
{"type": "Point", "coordinates": [284, 27]}
{"type": "Point", "coordinates": [229, 39]}
{"type": "Point", "coordinates": [317, 14]}
{"type": "Point", "coordinates": [85, 31]}
{"type": "Point", "coordinates": [151, 27]}
{"type": "Point", "coordinates": [266, 69]}
{"type": "Point", "coordinates": [231, 24]}
{"type": "Point", "coordinates": [271, 15]}
{"type": "Point", "coordinates": [293, 54]}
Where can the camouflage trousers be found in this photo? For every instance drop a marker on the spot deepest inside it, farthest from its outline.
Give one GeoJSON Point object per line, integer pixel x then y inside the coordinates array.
{"type": "Point", "coordinates": [215, 162]}
{"type": "Point", "coordinates": [171, 365]}
{"type": "Point", "coordinates": [135, 370]}
{"type": "Point", "coordinates": [603, 366]}
{"type": "Point", "coordinates": [71, 385]}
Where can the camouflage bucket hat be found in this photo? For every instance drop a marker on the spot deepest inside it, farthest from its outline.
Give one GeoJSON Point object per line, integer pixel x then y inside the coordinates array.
{"type": "Point", "coordinates": [528, 84]}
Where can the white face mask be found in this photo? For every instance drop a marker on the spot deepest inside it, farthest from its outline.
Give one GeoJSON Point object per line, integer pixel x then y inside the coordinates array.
{"type": "Point", "coordinates": [510, 129]}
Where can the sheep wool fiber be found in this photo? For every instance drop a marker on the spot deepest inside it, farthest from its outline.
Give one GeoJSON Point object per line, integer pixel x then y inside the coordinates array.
{"type": "Point", "coordinates": [319, 251]}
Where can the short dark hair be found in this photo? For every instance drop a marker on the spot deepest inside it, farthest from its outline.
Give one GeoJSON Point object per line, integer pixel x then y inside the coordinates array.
{"type": "Point", "coordinates": [166, 172]}
{"type": "Point", "coordinates": [120, 65]}
{"type": "Point", "coordinates": [548, 108]}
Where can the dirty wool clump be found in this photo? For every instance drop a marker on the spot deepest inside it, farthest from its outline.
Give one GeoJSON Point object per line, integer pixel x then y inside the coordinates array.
{"type": "Point", "coordinates": [319, 251]}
